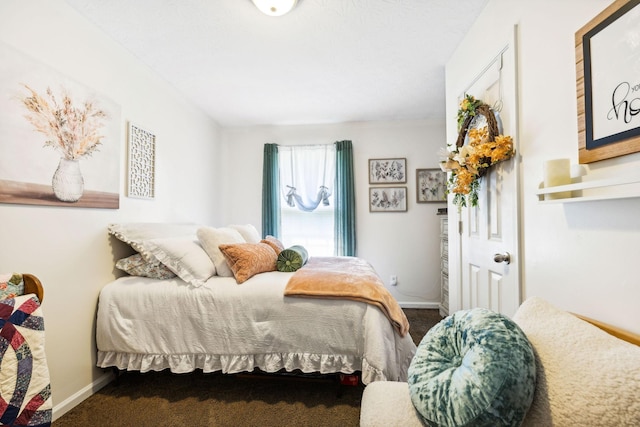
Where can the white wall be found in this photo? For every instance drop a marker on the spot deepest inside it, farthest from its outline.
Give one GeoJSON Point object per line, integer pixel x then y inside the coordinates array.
{"type": "Point", "coordinates": [68, 248]}
{"type": "Point", "coordinates": [404, 244]}
{"type": "Point", "coordinates": [579, 256]}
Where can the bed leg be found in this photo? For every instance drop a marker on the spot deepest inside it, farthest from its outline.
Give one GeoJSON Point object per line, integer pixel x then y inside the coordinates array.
{"type": "Point", "coordinates": [340, 390]}
{"type": "Point", "coordinates": [116, 375]}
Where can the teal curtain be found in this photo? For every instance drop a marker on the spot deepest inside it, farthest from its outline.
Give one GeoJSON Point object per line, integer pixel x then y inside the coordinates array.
{"type": "Point", "coordinates": [270, 191]}
{"type": "Point", "coordinates": [345, 201]}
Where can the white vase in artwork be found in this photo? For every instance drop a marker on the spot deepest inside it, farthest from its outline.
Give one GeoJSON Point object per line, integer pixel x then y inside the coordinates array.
{"type": "Point", "coordinates": [68, 183]}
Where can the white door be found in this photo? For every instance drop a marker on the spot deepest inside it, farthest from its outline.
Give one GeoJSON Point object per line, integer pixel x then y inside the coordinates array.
{"type": "Point", "coordinates": [489, 243]}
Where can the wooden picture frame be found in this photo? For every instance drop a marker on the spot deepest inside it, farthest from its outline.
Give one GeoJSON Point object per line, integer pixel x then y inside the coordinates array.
{"type": "Point", "coordinates": [608, 91]}
{"type": "Point", "coordinates": [388, 171]}
{"type": "Point", "coordinates": [387, 199]}
{"type": "Point", "coordinates": [431, 186]}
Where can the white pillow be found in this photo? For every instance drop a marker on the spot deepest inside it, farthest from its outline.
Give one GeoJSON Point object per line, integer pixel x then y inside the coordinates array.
{"type": "Point", "coordinates": [210, 238]}
{"type": "Point", "coordinates": [135, 265]}
{"type": "Point", "coordinates": [137, 233]}
{"type": "Point", "coordinates": [248, 232]}
{"type": "Point", "coordinates": [185, 257]}
{"type": "Point", "coordinates": [585, 377]}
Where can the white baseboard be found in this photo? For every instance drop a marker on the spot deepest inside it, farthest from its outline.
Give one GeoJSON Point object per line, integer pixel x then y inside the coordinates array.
{"type": "Point", "coordinates": [415, 304]}
{"type": "Point", "coordinates": [74, 400]}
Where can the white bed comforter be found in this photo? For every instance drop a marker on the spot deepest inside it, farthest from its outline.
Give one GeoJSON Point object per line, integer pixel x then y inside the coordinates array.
{"type": "Point", "coordinates": [150, 325]}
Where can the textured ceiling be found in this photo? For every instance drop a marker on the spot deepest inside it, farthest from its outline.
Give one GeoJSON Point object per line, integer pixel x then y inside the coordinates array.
{"type": "Point", "coordinates": [326, 61]}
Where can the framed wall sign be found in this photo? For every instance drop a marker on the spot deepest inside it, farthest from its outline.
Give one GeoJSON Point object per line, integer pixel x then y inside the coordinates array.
{"type": "Point", "coordinates": [608, 83]}
{"type": "Point", "coordinates": [431, 185]}
{"type": "Point", "coordinates": [387, 199]}
{"type": "Point", "coordinates": [387, 171]}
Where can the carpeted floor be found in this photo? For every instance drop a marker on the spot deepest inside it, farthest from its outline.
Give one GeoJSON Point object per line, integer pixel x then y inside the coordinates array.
{"type": "Point", "coordinates": [207, 400]}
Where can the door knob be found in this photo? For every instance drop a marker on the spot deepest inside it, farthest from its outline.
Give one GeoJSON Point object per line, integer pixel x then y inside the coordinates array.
{"type": "Point", "coordinates": [505, 257]}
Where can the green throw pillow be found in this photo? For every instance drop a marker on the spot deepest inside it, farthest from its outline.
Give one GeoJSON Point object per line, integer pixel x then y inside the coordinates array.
{"type": "Point", "coordinates": [474, 368]}
{"type": "Point", "coordinates": [292, 259]}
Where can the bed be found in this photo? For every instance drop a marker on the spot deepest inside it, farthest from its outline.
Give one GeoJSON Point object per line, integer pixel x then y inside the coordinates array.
{"type": "Point", "coordinates": [234, 323]}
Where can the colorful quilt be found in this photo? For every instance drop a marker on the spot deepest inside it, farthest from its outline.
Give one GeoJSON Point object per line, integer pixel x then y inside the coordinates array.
{"type": "Point", "coordinates": [25, 390]}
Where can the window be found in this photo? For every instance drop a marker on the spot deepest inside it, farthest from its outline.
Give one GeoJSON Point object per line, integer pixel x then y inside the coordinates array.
{"type": "Point", "coordinates": [307, 175]}
{"type": "Point", "coordinates": [342, 197]}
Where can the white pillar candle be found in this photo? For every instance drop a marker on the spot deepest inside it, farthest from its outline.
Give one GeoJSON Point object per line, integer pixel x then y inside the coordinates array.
{"type": "Point", "coordinates": [557, 172]}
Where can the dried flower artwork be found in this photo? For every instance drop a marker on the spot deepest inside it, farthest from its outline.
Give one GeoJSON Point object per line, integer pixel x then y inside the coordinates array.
{"type": "Point", "coordinates": [73, 131]}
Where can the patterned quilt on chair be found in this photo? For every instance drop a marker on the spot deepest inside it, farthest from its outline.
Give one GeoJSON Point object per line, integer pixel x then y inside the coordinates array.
{"type": "Point", "coordinates": [25, 391]}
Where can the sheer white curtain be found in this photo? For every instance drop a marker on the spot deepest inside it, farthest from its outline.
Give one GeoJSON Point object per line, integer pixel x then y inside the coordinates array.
{"type": "Point", "coordinates": [307, 186]}
{"type": "Point", "coordinates": [307, 174]}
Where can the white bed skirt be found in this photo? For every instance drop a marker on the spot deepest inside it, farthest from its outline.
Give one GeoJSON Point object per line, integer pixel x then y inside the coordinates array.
{"type": "Point", "coordinates": [152, 325]}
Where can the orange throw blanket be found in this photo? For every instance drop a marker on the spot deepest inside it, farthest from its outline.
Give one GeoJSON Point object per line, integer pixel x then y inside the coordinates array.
{"type": "Point", "coordinates": [346, 278]}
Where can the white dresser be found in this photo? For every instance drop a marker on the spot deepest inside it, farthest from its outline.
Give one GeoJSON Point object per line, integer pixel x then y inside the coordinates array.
{"type": "Point", "coordinates": [444, 266]}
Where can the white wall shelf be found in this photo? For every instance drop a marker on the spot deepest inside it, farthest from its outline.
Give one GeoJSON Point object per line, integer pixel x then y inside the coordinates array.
{"type": "Point", "coordinates": [611, 188]}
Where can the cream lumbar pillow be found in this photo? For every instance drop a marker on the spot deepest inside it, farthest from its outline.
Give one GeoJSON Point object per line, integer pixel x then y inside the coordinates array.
{"type": "Point", "coordinates": [211, 238]}
{"type": "Point", "coordinates": [248, 232]}
{"type": "Point", "coordinates": [586, 377]}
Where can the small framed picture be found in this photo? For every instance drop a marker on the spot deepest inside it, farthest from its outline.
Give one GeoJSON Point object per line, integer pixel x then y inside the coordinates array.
{"type": "Point", "coordinates": [387, 171]}
{"type": "Point", "coordinates": [431, 185]}
{"type": "Point", "coordinates": [387, 199]}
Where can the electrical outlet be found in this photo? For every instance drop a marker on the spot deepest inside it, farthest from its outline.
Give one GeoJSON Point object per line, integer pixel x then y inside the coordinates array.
{"type": "Point", "coordinates": [394, 280]}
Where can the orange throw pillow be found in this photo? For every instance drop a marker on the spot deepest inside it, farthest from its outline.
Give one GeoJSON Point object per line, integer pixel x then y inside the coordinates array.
{"type": "Point", "coordinates": [274, 243]}
{"type": "Point", "coordinates": [248, 259]}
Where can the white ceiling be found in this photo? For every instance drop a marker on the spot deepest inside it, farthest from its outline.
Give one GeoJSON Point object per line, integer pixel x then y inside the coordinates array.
{"type": "Point", "coordinates": [327, 61]}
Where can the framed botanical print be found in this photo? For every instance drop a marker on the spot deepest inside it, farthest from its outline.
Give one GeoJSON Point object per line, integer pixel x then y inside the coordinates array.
{"type": "Point", "coordinates": [431, 185]}
{"type": "Point", "coordinates": [387, 199]}
{"type": "Point", "coordinates": [387, 171]}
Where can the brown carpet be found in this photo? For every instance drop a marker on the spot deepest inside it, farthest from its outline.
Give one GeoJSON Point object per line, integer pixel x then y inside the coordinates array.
{"type": "Point", "coordinates": [207, 400]}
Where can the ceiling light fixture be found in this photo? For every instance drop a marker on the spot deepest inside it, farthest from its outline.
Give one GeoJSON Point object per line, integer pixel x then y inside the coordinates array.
{"type": "Point", "coordinates": [275, 7]}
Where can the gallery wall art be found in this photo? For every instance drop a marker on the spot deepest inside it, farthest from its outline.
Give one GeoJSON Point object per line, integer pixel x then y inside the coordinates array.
{"type": "Point", "coordinates": [387, 199]}
{"type": "Point", "coordinates": [431, 185]}
{"type": "Point", "coordinates": [59, 139]}
{"type": "Point", "coordinates": [387, 171]}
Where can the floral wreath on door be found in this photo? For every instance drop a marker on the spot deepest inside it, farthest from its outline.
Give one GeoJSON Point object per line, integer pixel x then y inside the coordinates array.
{"type": "Point", "coordinates": [479, 146]}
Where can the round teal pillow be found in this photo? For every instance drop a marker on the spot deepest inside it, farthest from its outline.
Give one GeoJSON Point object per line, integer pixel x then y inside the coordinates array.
{"type": "Point", "coordinates": [474, 368]}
